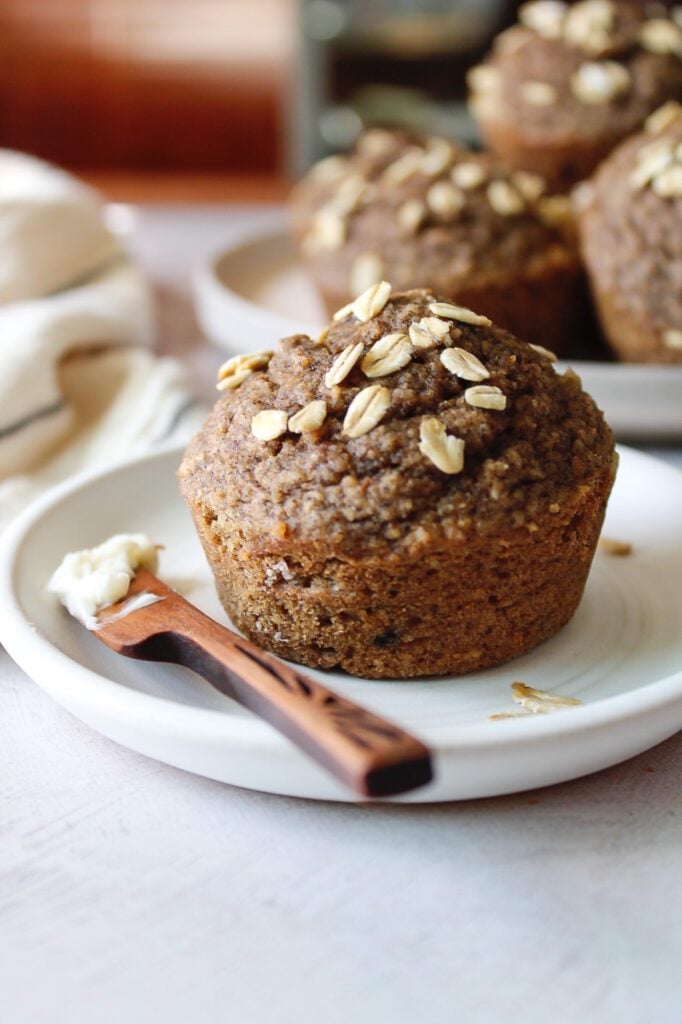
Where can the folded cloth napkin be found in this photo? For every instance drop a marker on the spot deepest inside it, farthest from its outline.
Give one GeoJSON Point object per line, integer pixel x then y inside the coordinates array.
{"type": "Point", "coordinates": [79, 386]}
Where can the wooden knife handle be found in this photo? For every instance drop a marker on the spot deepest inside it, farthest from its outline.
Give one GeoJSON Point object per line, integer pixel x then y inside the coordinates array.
{"type": "Point", "coordinates": [372, 756]}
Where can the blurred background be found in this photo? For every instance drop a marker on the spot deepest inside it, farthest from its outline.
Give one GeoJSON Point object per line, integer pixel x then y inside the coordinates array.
{"type": "Point", "coordinates": [254, 89]}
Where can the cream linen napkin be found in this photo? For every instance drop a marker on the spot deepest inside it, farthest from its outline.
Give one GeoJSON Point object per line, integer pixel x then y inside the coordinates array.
{"type": "Point", "coordinates": [79, 387]}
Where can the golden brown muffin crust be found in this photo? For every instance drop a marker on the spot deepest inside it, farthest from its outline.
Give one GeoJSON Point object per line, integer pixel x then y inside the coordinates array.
{"type": "Point", "coordinates": [378, 494]}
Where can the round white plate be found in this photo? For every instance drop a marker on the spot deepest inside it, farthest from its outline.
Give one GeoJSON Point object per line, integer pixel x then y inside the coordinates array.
{"type": "Point", "coordinates": [255, 292]}
{"type": "Point", "coordinates": [621, 654]}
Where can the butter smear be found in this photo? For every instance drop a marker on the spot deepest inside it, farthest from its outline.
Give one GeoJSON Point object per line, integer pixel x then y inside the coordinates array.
{"type": "Point", "coordinates": [88, 581]}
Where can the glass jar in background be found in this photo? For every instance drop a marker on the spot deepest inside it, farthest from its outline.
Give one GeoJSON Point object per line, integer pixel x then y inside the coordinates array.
{"type": "Point", "coordinates": [389, 62]}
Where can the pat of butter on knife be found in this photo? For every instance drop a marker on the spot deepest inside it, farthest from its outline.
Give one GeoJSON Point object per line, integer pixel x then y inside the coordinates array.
{"type": "Point", "coordinates": [88, 581]}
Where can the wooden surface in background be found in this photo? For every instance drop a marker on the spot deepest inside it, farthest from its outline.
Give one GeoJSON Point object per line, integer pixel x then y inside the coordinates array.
{"type": "Point", "coordinates": [187, 84]}
{"type": "Point", "coordinates": [179, 187]}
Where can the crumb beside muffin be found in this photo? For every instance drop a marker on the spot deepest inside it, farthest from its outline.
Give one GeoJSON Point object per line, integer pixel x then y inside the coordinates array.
{"type": "Point", "coordinates": [416, 492]}
{"type": "Point", "coordinates": [564, 86]}
{"type": "Point", "coordinates": [630, 216]}
{"type": "Point", "coordinates": [426, 213]}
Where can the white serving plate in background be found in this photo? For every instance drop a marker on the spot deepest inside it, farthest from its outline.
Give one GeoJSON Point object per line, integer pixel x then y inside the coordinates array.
{"type": "Point", "coordinates": [255, 291]}
{"type": "Point", "coordinates": [621, 654]}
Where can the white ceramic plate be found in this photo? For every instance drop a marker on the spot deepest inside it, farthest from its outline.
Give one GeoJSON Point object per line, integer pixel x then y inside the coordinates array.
{"type": "Point", "coordinates": [255, 292]}
{"type": "Point", "coordinates": [621, 654]}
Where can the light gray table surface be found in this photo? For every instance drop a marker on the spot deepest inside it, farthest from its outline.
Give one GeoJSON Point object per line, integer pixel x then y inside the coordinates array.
{"type": "Point", "coordinates": [133, 892]}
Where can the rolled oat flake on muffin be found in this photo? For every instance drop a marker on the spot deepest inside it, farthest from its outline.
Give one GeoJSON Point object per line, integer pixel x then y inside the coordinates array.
{"type": "Point", "coordinates": [484, 79]}
{"type": "Point", "coordinates": [556, 211]}
{"type": "Point", "coordinates": [235, 370]}
{"type": "Point", "coordinates": [504, 198]}
{"type": "Point", "coordinates": [387, 355]}
{"type": "Point", "coordinates": [372, 301]}
{"type": "Point", "coordinates": [445, 200]}
{"type": "Point", "coordinates": [468, 175]}
{"type": "Point", "coordinates": [430, 331]}
{"type": "Point", "coordinates": [600, 82]}
{"type": "Point", "coordinates": [661, 36]}
{"type": "Point", "coordinates": [461, 313]}
{"type": "Point", "coordinates": [349, 195]}
{"type": "Point", "coordinates": [486, 396]}
{"type": "Point", "coordinates": [546, 17]}
{"type": "Point", "coordinates": [309, 418]}
{"type": "Point", "coordinates": [539, 94]}
{"type": "Point", "coordinates": [328, 230]}
{"type": "Point", "coordinates": [411, 215]}
{"type": "Point", "coordinates": [531, 186]}
{"type": "Point", "coordinates": [438, 157]}
{"type": "Point", "coordinates": [672, 339]}
{"type": "Point", "coordinates": [269, 424]}
{"type": "Point", "coordinates": [343, 364]}
{"type": "Point", "coordinates": [368, 304]}
{"type": "Point", "coordinates": [547, 353]}
{"type": "Point", "coordinates": [464, 364]}
{"type": "Point", "coordinates": [668, 182]}
{"type": "Point", "coordinates": [442, 449]}
{"type": "Point", "coordinates": [366, 410]}
{"type": "Point", "coordinates": [406, 166]}
{"type": "Point", "coordinates": [663, 117]}
{"type": "Point", "coordinates": [651, 160]}
{"type": "Point", "coordinates": [589, 25]}
{"type": "Point", "coordinates": [331, 169]}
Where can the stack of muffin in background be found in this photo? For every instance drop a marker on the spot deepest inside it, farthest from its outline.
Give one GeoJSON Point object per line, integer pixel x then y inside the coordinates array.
{"type": "Point", "coordinates": [512, 231]}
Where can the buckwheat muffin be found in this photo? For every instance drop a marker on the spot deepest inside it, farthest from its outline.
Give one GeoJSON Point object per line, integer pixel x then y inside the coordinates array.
{"type": "Point", "coordinates": [631, 228]}
{"type": "Point", "coordinates": [417, 492]}
{"type": "Point", "coordinates": [563, 87]}
{"type": "Point", "coordinates": [427, 213]}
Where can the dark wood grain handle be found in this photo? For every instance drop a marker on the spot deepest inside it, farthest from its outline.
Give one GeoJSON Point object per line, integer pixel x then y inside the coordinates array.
{"type": "Point", "coordinates": [372, 756]}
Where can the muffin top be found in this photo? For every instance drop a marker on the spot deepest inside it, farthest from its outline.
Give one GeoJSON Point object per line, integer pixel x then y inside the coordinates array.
{"type": "Point", "coordinates": [590, 71]}
{"type": "Point", "coordinates": [631, 226]}
{"type": "Point", "coordinates": [409, 422]}
{"type": "Point", "coordinates": [425, 212]}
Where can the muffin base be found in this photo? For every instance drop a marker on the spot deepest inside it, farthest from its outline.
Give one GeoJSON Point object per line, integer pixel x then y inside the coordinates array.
{"type": "Point", "coordinates": [448, 609]}
{"type": "Point", "coordinates": [630, 333]}
{"type": "Point", "coordinates": [561, 164]}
